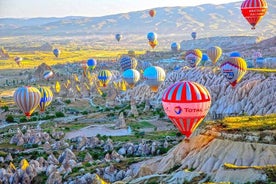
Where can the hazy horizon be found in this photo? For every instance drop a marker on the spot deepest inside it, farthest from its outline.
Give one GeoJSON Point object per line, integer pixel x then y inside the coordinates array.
{"type": "Point", "coordinates": [87, 8]}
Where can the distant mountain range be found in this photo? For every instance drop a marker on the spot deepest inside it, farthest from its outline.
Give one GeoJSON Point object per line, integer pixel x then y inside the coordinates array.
{"type": "Point", "coordinates": [207, 20]}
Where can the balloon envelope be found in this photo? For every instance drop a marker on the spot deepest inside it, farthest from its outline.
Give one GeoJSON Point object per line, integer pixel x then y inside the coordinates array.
{"type": "Point", "coordinates": [56, 52]}
{"type": "Point", "coordinates": [131, 76]}
{"type": "Point", "coordinates": [118, 37]}
{"type": "Point", "coordinates": [152, 36]}
{"type": "Point", "coordinates": [234, 68]}
{"type": "Point", "coordinates": [193, 34]}
{"type": "Point", "coordinates": [27, 99]}
{"type": "Point", "coordinates": [104, 77]}
{"type": "Point", "coordinates": [152, 13]}
{"type": "Point", "coordinates": [46, 98]}
{"type": "Point", "coordinates": [214, 53]}
{"type": "Point", "coordinates": [175, 47]}
{"type": "Point", "coordinates": [253, 11]}
{"type": "Point", "coordinates": [128, 62]}
{"type": "Point", "coordinates": [186, 104]}
{"type": "Point", "coordinates": [48, 75]}
{"type": "Point", "coordinates": [154, 76]}
{"type": "Point", "coordinates": [235, 54]}
{"type": "Point", "coordinates": [193, 57]}
{"type": "Point", "coordinates": [92, 63]}
{"type": "Point", "coordinates": [204, 59]}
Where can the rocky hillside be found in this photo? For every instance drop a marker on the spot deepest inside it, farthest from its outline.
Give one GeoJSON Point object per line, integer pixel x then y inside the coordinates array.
{"type": "Point", "coordinates": [255, 94]}
{"type": "Point", "coordinates": [205, 158]}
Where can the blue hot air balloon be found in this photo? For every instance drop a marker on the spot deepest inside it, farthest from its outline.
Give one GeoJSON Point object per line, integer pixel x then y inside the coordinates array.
{"type": "Point", "coordinates": [91, 63]}
{"type": "Point", "coordinates": [152, 36]}
{"type": "Point", "coordinates": [235, 54]}
{"type": "Point", "coordinates": [204, 59]}
{"type": "Point", "coordinates": [193, 34]}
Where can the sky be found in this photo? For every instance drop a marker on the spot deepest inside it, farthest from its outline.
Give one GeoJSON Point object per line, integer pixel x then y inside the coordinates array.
{"type": "Point", "coordinates": [89, 8]}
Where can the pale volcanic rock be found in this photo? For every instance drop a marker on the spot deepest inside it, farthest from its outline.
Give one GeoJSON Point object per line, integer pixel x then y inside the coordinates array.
{"type": "Point", "coordinates": [208, 154]}
{"type": "Point", "coordinates": [55, 178]}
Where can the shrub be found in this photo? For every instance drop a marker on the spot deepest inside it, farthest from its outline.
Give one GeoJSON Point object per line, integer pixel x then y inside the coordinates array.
{"type": "Point", "coordinates": [84, 113]}
{"type": "Point", "coordinates": [5, 108]}
{"type": "Point", "coordinates": [68, 101]}
{"type": "Point", "coordinates": [59, 114]}
{"type": "Point", "coordinates": [9, 118]}
{"type": "Point", "coordinates": [23, 119]}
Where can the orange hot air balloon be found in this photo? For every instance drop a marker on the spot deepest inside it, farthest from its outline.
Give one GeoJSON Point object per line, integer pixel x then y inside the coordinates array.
{"type": "Point", "coordinates": [234, 68]}
{"type": "Point", "coordinates": [253, 11]}
{"type": "Point", "coordinates": [153, 43]}
{"type": "Point", "coordinates": [27, 99]}
{"type": "Point", "coordinates": [152, 13]}
{"type": "Point", "coordinates": [186, 104]}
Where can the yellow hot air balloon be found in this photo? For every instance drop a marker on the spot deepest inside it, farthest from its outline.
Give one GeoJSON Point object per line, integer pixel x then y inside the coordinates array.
{"type": "Point", "coordinates": [46, 98]}
{"type": "Point", "coordinates": [234, 68]}
{"type": "Point", "coordinates": [214, 53]}
{"type": "Point", "coordinates": [104, 77]}
{"type": "Point", "coordinates": [24, 164]}
{"type": "Point", "coordinates": [78, 88]}
{"type": "Point", "coordinates": [57, 87]}
{"type": "Point", "coordinates": [27, 98]}
{"type": "Point", "coordinates": [153, 43]}
{"type": "Point", "coordinates": [76, 78]}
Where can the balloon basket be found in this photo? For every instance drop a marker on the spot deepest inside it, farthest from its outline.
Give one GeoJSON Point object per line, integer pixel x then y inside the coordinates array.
{"type": "Point", "coordinates": [186, 140]}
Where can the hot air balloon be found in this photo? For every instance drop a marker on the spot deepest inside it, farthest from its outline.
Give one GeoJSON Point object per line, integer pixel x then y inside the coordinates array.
{"type": "Point", "coordinates": [47, 75]}
{"type": "Point", "coordinates": [91, 63]}
{"type": "Point", "coordinates": [27, 99]}
{"type": "Point", "coordinates": [118, 37]}
{"type": "Point", "coordinates": [152, 36]}
{"type": "Point", "coordinates": [193, 34]}
{"type": "Point", "coordinates": [152, 13]}
{"type": "Point", "coordinates": [131, 76]}
{"type": "Point", "coordinates": [186, 104]}
{"type": "Point", "coordinates": [214, 53]}
{"type": "Point", "coordinates": [46, 98]}
{"type": "Point", "coordinates": [153, 43]}
{"type": "Point", "coordinates": [56, 52]}
{"type": "Point", "coordinates": [235, 54]}
{"type": "Point", "coordinates": [18, 59]}
{"type": "Point", "coordinates": [204, 59]}
{"type": "Point", "coordinates": [57, 87]}
{"type": "Point", "coordinates": [154, 76]}
{"type": "Point", "coordinates": [193, 57]}
{"type": "Point", "coordinates": [104, 77]}
{"type": "Point", "coordinates": [234, 68]}
{"type": "Point", "coordinates": [253, 11]}
{"type": "Point", "coordinates": [127, 62]}
{"type": "Point", "coordinates": [175, 47]}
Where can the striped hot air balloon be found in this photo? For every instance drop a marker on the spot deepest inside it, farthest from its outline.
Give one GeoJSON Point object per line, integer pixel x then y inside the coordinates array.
{"type": "Point", "coordinates": [154, 76]}
{"type": "Point", "coordinates": [253, 11]}
{"type": "Point", "coordinates": [186, 104]}
{"type": "Point", "coordinates": [46, 98]}
{"type": "Point", "coordinates": [27, 98]}
{"type": "Point", "coordinates": [104, 77]}
{"type": "Point", "coordinates": [131, 76]}
{"type": "Point", "coordinates": [127, 62]}
{"type": "Point", "coordinates": [234, 68]}
{"type": "Point", "coordinates": [47, 75]}
{"type": "Point", "coordinates": [214, 53]}
{"type": "Point", "coordinates": [193, 57]}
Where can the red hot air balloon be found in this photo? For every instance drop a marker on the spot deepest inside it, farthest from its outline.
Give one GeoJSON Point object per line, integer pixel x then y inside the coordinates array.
{"type": "Point", "coordinates": [186, 104]}
{"type": "Point", "coordinates": [152, 13]}
{"type": "Point", "coordinates": [253, 11]}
